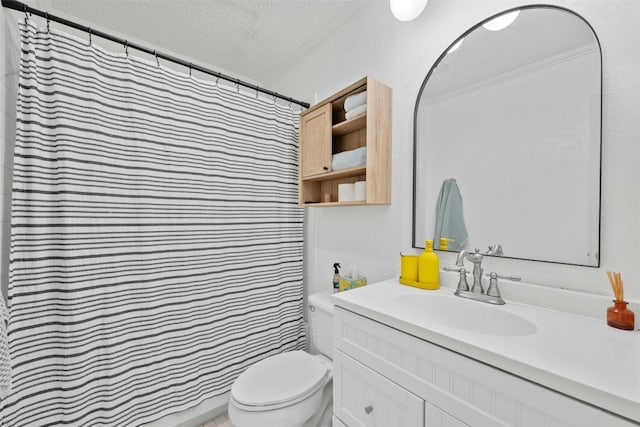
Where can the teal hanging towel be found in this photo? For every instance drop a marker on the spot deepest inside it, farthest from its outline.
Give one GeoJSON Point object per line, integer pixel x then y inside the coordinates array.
{"type": "Point", "coordinates": [450, 216]}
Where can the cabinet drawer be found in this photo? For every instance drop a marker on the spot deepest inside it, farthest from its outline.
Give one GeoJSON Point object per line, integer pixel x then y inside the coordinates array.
{"type": "Point", "coordinates": [366, 399]}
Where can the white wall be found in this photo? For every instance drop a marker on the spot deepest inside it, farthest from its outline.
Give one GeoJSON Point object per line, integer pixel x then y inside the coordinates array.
{"type": "Point", "coordinates": [400, 55]}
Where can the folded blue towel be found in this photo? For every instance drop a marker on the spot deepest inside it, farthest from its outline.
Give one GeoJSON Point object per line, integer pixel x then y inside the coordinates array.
{"type": "Point", "coordinates": [450, 217]}
{"type": "Point", "coordinates": [349, 159]}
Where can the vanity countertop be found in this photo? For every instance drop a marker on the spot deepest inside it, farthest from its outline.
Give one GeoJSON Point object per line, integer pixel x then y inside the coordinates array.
{"type": "Point", "coordinates": [578, 356]}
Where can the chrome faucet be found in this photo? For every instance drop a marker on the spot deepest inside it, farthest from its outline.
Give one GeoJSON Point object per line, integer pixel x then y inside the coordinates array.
{"type": "Point", "coordinates": [477, 292]}
{"type": "Point", "coordinates": [476, 259]}
{"type": "Point", "coordinates": [495, 250]}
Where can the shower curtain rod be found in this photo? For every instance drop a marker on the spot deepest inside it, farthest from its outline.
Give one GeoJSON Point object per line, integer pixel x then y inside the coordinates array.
{"type": "Point", "coordinates": [19, 6]}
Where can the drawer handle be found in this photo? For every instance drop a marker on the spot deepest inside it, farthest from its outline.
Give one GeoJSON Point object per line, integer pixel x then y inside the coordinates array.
{"type": "Point", "coordinates": [368, 409]}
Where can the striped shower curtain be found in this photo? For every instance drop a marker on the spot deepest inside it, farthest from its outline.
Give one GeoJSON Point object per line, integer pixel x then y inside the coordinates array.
{"type": "Point", "coordinates": [156, 238]}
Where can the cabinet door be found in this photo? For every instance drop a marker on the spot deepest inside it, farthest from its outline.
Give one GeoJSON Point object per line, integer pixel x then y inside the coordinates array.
{"type": "Point", "coordinates": [435, 417]}
{"type": "Point", "coordinates": [363, 398]}
{"type": "Point", "coordinates": [315, 142]}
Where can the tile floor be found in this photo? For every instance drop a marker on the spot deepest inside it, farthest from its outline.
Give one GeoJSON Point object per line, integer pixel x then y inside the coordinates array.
{"type": "Point", "coordinates": [221, 421]}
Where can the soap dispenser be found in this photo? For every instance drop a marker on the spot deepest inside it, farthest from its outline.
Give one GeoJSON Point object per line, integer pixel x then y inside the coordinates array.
{"type": "Point", "coordinates": [443, 243]}
{"type": "Point", "coordinates": [428, 267]}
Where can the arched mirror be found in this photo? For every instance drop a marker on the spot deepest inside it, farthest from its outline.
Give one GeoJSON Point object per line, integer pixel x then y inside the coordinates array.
{"type": "Point", "coordinates": [507, 136]}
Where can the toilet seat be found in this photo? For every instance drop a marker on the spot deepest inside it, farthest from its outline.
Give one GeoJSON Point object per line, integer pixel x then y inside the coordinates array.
{"type": "Point", "coordinates": [279, 381]}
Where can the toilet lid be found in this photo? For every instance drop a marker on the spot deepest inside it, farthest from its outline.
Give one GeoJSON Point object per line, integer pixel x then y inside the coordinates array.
{"type": "Point", "coordinates": [278, 379]}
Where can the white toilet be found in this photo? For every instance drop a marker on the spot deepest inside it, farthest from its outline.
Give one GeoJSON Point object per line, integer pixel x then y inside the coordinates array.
{"type": "Point", "coordinates": [292, 389]}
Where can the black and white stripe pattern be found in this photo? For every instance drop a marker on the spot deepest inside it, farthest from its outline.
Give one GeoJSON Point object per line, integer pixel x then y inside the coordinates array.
{"type": "Point", "coordinates": [156, 237]}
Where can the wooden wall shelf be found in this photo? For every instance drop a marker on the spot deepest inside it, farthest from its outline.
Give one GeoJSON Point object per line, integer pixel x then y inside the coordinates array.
{"type": "Point", "coordinates": [324, 132]}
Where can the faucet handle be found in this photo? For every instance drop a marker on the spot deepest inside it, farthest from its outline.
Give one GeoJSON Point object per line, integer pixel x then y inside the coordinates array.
{"type": "Point", "coordinates": [462, 282]}
{"type": "Point", "coordinates": [498, 276]}
{"type": "Point", "coordinates": [493, 290]}
{"type": "Point", "coordinates": [495, 250]}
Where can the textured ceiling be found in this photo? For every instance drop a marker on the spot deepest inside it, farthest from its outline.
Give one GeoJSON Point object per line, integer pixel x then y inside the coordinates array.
{"type": "Point", "coordinates": [254, 39]}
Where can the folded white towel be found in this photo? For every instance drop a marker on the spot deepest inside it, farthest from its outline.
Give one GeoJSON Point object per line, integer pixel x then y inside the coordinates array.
{"type": "Point", "coordinates": [5, 358]}
{"type": "Point", "coordinates": [356, 111]}
{"type": "Point", "coordinates": [354, 101]}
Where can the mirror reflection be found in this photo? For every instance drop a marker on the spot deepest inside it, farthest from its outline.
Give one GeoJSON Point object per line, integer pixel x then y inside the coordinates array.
{"type": "Point", "coordinates": [507, 140]}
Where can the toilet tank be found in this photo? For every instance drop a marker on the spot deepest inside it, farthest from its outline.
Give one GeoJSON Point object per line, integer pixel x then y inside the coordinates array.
{"type": "Point", "coordinates": [321, 322]}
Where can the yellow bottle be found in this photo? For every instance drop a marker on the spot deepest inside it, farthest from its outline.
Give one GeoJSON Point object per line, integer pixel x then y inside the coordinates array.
{"type": "Point", "coordinates": [428, 267]}
{"type": "Point", "coordinates": [443, 243]}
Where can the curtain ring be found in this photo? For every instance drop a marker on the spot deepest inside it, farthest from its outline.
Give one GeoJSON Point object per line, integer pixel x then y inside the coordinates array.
{"type": "Point", "coordinates": [157, 59]}
{"type": "Point", "coordinates": [190, 65]}
{"type": "Point", "coordinates": [26, 15]}
{"type": "Point", "coordinates": [46, 16]}
{"type": "Point", "coordinates": [238, 85]}
{"type": "Point", "coordinates": [217, 81]}
{"type": "Point", "coordinates": [126, 48]}
{"type": "Point", "coordinates": [90, 30]}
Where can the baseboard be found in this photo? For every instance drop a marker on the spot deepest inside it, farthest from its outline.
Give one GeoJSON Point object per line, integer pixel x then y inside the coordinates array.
{"type": "Point", "coordinates": [195, 417]}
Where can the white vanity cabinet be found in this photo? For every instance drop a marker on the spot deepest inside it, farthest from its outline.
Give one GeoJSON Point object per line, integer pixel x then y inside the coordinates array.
{"type": "Point", "coordinates": [384, 377]}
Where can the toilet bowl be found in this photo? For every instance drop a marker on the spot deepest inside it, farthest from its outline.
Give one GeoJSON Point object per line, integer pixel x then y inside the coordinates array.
{"type": "Point", "coordinates": [292, 389]}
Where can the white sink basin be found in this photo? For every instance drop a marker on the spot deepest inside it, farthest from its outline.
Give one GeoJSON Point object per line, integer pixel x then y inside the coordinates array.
{"type": "Point", "coordinates": [464, 314]}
